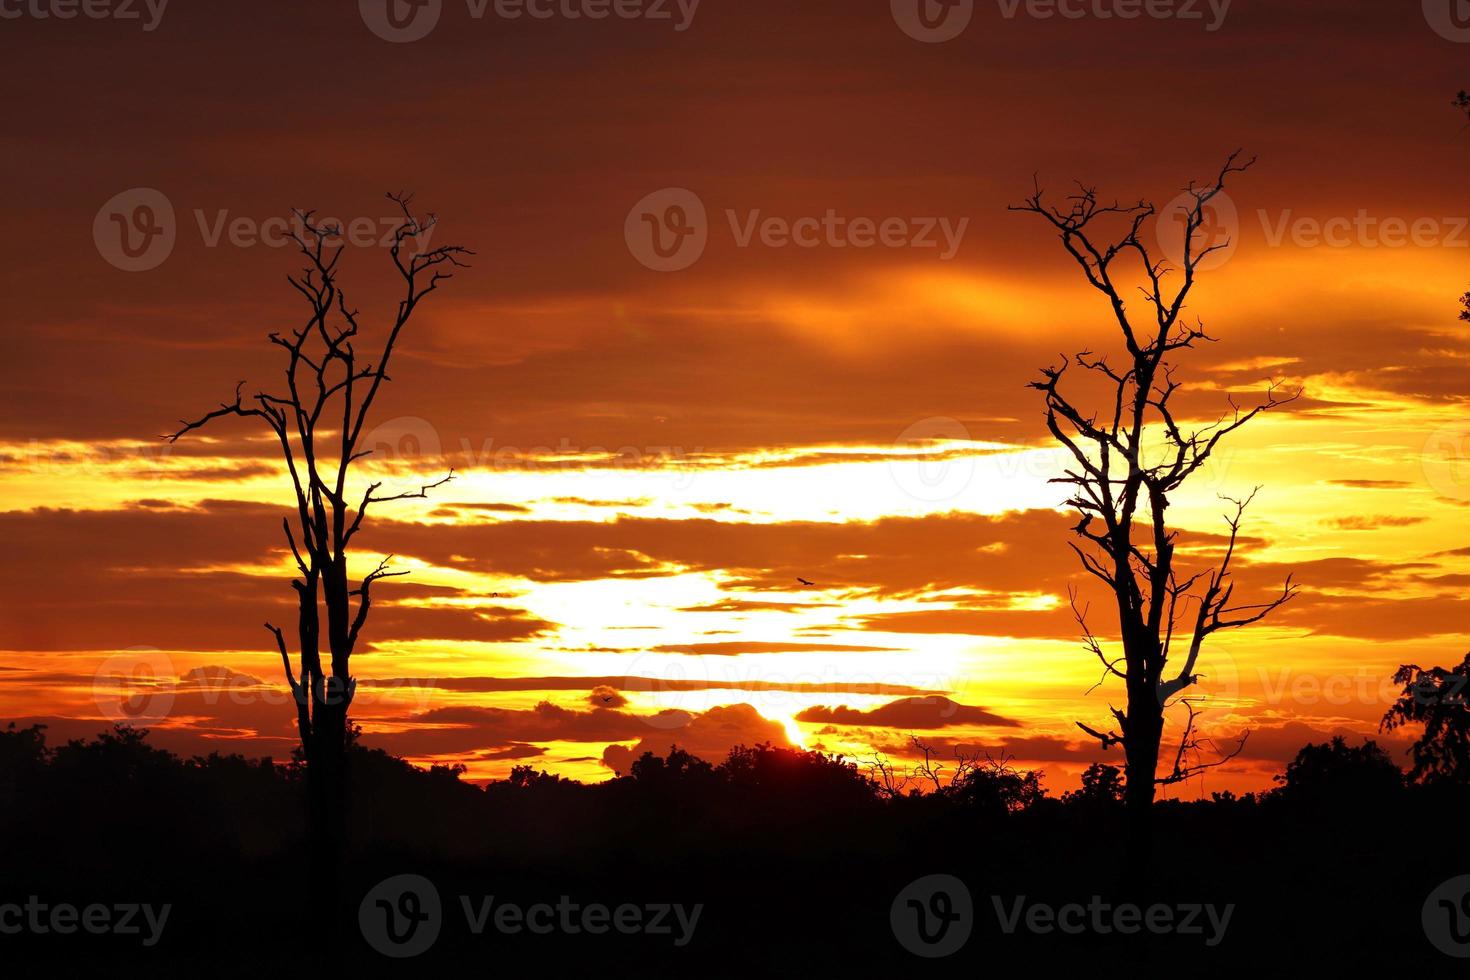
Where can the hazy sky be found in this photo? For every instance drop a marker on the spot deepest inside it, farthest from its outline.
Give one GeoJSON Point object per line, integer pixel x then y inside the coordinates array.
{"type": "Point", "coordinates": [819, 371]}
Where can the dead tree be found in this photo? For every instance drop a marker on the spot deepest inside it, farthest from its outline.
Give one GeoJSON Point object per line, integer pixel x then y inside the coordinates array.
{"type": "Point", "coordinates": [318, 420]}
{"type": "Point", "coordinates": [1462, 102]}
{"type": "Point", "coordinates": [1126, 460]}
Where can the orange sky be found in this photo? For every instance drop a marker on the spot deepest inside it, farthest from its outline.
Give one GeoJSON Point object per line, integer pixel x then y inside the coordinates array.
{"type": "Point", "coordinates": [648, 460]}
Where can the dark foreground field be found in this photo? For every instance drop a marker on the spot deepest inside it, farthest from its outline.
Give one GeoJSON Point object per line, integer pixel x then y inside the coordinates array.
{"type": "Point", "coordinates": [792, 863]}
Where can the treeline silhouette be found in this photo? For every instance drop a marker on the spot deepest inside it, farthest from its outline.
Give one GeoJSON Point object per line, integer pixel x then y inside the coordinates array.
{"type": "Point", "coordinates": [796, 857]}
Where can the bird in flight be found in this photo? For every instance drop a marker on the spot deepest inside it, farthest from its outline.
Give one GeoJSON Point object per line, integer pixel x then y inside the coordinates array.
{"type": "Point", "coordinates": [804, 581]}
{"type": "Point", "coordinates": [608, 697]}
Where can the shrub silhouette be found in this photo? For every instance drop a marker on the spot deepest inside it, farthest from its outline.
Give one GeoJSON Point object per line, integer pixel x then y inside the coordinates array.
{"type": "Point", "coordinates": [1335, 773]}
{"type": "Point", "coordinates": [796, 854]}
{"type": "Point", "coordinates": [1435, 697]}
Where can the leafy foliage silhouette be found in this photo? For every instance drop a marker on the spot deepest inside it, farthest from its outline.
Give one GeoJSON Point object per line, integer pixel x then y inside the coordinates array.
{"type": "Point", "coordinates": [793, 851]}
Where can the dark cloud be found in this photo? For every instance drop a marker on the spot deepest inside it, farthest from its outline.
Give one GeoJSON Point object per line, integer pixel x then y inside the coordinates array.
{"type": "Point", "coordinates": [918, 713]}
{"type": "Point", "coordinates": [755, 605]}
{"type": "Point", "coordinates": [1372, 522]}
{"type": "Point", "coordinates": [512, 752]}
{"type": "Point", "coordinates": [630, 683]}
{"type": "Point", "coordinates": [710, 735]}
{"type": "Point", "coordinates": [736, 647]}
{"type": "Point", "coordinates": [556, 332]}
{"type": "Point", "coordinates": [1019, 623]}
{"type": "Point", "coordinates": [1372, 484]}
{"type": "Point", "coordinates": [606, 696]}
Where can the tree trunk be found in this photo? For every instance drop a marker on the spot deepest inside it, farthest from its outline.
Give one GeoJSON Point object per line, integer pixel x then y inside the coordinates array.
{"type": "Point", "coordinates": [1145, 730]}
{"type": "Point", "coordinates": [326, 783]}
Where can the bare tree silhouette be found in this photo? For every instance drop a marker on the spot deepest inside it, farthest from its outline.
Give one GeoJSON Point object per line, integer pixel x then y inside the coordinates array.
{"type": "Point", "coordinates": [1461, 101]}
{"type": "Point", "coordinates": [1127, 463]}
{"type": "Point", "coordinates": [319, 422]}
